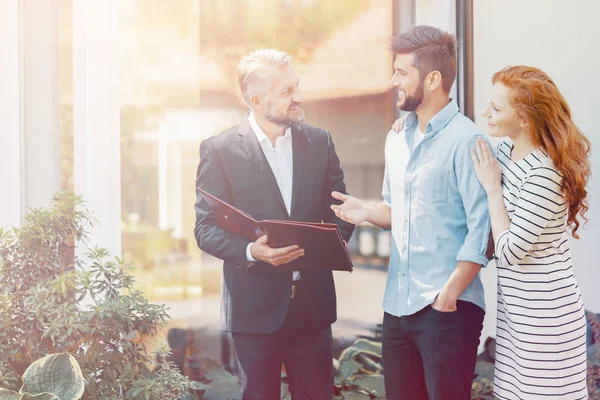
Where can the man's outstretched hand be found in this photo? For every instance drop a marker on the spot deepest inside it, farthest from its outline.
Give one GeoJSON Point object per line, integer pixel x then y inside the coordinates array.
{"type": "Point", "coordinates": [351, 210]}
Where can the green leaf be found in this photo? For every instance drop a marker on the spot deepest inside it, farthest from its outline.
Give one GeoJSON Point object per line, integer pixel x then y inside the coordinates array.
{"type": "Point", "coordinates": [359, 356]}
{"type": "Point", "coordinates": [371, 365]}
{"type": "Point", "coordinates": [200, 386]}
{"type": "Point", "coordinates": [355, 396]}
{"type": "Point", "coordinates": [223, 391]}
{"type": "Point", "coordinates": [9, 395]}
{"type": "Point", "coordinates": [39, 304]}
{"type": "Point", "coordinates": [372, 384]}
{"type": "Point", "coordinates": [59, 374]}
{"type": "Point", "coordinates": [348, 369]}
{"type": "Point", "coordinates": [362, 346]}
{"type": "Point", "coordinates": [215, 371]}
{"type": "Point", "coordinates": [134, 392]}
{"type": "Point", "coordinates": [336, 364]}
{"type": "Point", "coordinates": [41, 396]}
{"type": "Point", "coordinates": [221, 375]}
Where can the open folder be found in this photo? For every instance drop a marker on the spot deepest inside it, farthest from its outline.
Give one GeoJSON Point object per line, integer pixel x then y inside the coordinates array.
{"type": "Point", "coordinates": [323, 245]}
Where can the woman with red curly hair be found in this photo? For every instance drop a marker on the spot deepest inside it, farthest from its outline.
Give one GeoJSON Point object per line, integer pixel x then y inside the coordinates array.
{"type": "Point", "coordinates": [536, 186]}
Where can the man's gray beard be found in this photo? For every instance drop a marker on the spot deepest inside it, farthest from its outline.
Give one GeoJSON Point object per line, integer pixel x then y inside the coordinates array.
{"type": "Point", "coordinates": [285, 122]}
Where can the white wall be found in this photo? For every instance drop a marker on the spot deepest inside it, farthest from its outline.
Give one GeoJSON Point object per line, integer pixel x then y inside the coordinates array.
{"type": "Point", "coordinates": [561, 38]}
{"type": "Point", "coordinates": [10, 126]}
{"type": "Point", "coordinates": [96, 119]}
{"type": "Point", "coordinates": [40, 101]}
{"type": "Point", "coordinates": [29, 119]}
{"type": "Point", "coordinates": [438, 13]}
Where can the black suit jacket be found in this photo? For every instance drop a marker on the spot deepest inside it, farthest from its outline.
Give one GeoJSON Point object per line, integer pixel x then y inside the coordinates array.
{"type": "Point", "coordinates": [234, 168]}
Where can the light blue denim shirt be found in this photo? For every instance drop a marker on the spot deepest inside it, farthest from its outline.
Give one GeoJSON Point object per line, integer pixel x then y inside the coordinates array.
{"type": "Point", "coordinates": [439, 210]}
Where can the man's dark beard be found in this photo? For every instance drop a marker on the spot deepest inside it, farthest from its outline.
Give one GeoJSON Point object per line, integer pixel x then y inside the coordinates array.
{"type": "Point", "coordinates": [411, 103]}
{"type": "Point", "coordinates": [284, 121]}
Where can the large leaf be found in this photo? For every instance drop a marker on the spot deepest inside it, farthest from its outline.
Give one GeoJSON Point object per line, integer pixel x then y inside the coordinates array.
{"type": "Point", "coordinates": [41, 396]}
{"type": "Point", "coordinates": [212, 370]}
{"type": "Point", "coordinates": [369, 347]}
{"type": "Point", "coordinates": [224, 385]}
{"type": "Point", "coordinates": [361, 346]}
{"type": "Point", "coordinates": [360, 355]}
{"type": "Point", "coordinates": [355, 396]}
{"type": "Point", "coordinates": [9, 395]}
{"type": "Point", "coordinates": [347, 369]}
{"type": "Point", "coordinates": [221, 375]}
{"type": "Point", "coordinates": [370, 365]}
{"type": "Point", "coordinates": [58, 374]}
{"type": "Point", "coordinates": [372, 384]}
{"type": "Point", "coordinates": [200, 386]}
{"type": "Point", "coordinates": [336, 364]}
{"type": "Point", "coordinates": [223, 391]}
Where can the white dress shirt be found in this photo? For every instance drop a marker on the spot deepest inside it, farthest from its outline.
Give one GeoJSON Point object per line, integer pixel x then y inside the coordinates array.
{"type": "Point", "coordinates": [419, 136]}
{"type": "Point", "coordinates": [281, 161]}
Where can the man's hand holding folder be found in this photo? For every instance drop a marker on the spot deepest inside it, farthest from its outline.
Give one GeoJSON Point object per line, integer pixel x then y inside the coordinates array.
{"type": "Point", "coordinates": [293, 244]}
{"type": "Point", "coordinates": [261, 250]}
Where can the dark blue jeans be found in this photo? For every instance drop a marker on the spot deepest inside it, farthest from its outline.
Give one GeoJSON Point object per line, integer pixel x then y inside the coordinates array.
{"type": "Point", "coordinates": [431, 355]}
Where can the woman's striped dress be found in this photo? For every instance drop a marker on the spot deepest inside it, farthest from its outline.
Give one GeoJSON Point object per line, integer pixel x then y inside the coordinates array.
{"type": "Point", "coordinates": [541, 333]}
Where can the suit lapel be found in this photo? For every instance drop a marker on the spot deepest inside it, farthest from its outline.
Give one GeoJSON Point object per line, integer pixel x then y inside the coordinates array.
{"type": "Point", "coordinates": [249, 143]}
{"type": "Point", "coordinates": [301, 151]}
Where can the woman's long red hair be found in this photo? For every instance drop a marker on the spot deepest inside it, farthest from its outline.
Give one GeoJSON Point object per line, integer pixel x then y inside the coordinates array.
{"type": "Point", "coordinates": [540, 104]}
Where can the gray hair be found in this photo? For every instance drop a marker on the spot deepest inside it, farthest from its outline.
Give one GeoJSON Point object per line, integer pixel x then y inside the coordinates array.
{"type": "Point", "coordinates": [251, 76]}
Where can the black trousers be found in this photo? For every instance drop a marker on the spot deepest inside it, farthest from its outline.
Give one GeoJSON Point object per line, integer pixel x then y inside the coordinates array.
{"type": "Point", "coordinates": [303, 347]}
{"type": "Point", "coordinates": [431, 355]}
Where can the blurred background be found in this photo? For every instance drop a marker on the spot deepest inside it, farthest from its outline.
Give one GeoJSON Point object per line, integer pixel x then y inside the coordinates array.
{"type": "Point", "coordinates": [112, 99]}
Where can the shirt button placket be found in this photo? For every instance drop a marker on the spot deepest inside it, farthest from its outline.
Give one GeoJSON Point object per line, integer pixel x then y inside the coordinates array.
{"type": "Point", "coordinates": [405, 248]}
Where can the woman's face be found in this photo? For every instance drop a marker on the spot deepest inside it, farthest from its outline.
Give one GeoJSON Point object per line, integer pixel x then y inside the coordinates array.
{"type": "Point", "coordinates": [501, 116]}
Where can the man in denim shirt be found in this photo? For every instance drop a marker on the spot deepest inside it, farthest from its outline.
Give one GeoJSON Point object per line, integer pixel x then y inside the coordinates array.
{"type": "Point", "coordinates": [437, 211]}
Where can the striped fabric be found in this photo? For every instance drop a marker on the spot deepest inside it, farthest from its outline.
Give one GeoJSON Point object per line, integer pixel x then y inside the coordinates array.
{"type": "Point", "coordinates": [541, 333]}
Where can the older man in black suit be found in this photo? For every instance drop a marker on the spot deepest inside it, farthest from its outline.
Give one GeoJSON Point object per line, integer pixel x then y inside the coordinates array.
{"type": "Point", "coordinates": [273, 166]}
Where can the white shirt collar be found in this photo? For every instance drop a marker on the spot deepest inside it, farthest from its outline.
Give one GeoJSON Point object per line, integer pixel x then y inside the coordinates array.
{"type": "Point", "coordinates": [260, 135]}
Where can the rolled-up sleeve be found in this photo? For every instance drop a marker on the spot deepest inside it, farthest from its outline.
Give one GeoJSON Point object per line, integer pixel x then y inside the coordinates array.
{"type": "Point", "coordinates": [474, 199]}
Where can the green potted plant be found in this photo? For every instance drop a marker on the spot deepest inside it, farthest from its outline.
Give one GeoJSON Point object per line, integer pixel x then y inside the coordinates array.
{"type": "Point", "coordinates": [42, 287]}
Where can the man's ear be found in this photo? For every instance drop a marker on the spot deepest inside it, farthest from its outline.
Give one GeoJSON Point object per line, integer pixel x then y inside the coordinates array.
{"type": "Point", "coordinates": [433, 80]}
{"type": "Point", "coordinates": [255, 101]}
